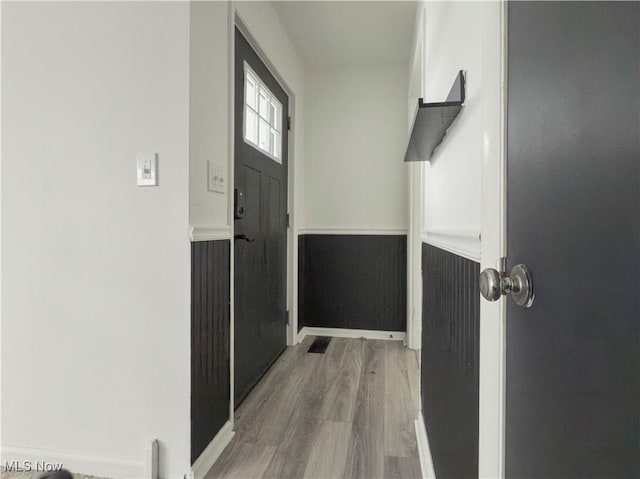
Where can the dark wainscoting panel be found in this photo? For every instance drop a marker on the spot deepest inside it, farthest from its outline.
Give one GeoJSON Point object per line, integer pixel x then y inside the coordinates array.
{"type": "Point", "coordinates": [210, 388]}
{"type": "Point", "coordinates": [450, 361]}
{"type": "Point", "coordinates": [353, 282]}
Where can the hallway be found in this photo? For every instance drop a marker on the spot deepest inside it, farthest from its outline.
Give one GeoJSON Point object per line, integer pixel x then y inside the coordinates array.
{"type": "Point", "coordinates": [349, 413]}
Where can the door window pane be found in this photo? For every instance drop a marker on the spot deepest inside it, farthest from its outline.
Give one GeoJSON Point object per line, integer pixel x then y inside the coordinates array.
{"type": "Point", "coordinates": [262, 117]}
{"type": "Point", "coordinates": [264, 138]}
{"type": "Point", "coordinates": [264, 104]}
{"type": "Point", "coordinates": [251, 127]}
{"type": "Point", "coordinates": [251, 92]}
{"type": "Point", "coordinates": [272, 113]}
{"type": "Point", "coordinates": [275, 143]}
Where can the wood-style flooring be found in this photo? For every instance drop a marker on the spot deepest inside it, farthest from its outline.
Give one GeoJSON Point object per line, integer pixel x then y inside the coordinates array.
{"type": "Point", "coordinates": [347, 413]}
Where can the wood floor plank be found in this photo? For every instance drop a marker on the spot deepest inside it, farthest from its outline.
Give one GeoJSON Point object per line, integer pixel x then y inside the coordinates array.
{"type": "Point", "coordinates": [366, 453]}
{"type": "Point", "coordinates": [303, 425]}
{"type": "Point", "coordinates": [399, 408]}
{"type": "Point", "coordinates": [281, 405]}
{"type": "Point", "coordinates": [282, 379]}
{"type": "Point", "coordinates": [402, 468]}
{"type": "Point", "coordinates": [329, 452]}
{"type": "Point", "coordinates": [340, 401]}
{"type": "Point", "coordinates": [242, 461]}
{"type": "Point", "coordinates": [335, 354]}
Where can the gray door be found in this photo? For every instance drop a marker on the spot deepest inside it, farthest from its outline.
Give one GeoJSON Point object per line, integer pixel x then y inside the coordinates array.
{"type": "Point", "coordinates": [573, 215]}
{"type": "Point", "coordinates": [260, 256]}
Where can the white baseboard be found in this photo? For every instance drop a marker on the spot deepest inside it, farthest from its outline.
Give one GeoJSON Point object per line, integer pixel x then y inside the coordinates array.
{"type": "Point", "coordinates": [89, 464]}
{"type": "Point", "coordinates": [205, 461]}
{"type": "Point", "coordinates": [352, 231]}
{"type": "Point", "coordinates": [351, 333]}
{"type": "Point", "coordinates": [426, 462]}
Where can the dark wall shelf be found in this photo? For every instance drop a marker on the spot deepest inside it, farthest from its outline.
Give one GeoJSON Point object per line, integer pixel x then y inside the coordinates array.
{"type": "Point", "coordinates": [432, 121]}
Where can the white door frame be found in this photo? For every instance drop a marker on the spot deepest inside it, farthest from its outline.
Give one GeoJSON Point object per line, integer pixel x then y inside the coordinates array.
{"type": "Point", "coordinates": [235, 20]}
{"type": "Point", "coordinates": [493, 246]}
{"type": "Point", "coordinates": [415, 202]}
{"type": "Point", "coordinates": [491, 447]}
{"type": "Point", "coordinates": [414, 257]}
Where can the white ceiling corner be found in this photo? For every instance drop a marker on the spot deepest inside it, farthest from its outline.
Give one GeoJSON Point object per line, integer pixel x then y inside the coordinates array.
{"type": "Point", "coordinates": [342, 33]}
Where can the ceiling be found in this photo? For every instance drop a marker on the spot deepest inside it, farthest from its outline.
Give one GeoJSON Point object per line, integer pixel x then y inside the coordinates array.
{"type": "Point", "coordinates": [338, 33]}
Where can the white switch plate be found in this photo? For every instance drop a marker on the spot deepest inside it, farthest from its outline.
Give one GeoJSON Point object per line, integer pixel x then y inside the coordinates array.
{"type": "Point", "coordinates": [147, 169]}
{"type": "Point", "coordinates": [216, 178]}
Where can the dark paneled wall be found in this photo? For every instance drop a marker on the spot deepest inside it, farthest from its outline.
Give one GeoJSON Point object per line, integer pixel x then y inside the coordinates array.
{"type": "Point", "coordinates": [210, 386]}
{"type": "Point", "coordinates": [353, 282]}
{"type": "Point", "coordinates": [450, 361]}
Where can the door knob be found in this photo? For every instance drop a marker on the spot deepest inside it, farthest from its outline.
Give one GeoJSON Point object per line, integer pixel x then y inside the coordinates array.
{"type": "Point", "coordinates": [519, 284]}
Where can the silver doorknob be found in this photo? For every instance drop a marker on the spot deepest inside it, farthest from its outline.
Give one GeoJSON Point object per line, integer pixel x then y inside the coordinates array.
{"type": "Point", "coordinates": [519, 284]}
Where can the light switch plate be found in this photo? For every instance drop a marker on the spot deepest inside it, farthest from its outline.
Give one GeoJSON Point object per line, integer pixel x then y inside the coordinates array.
{"type": "Point", "coordinates": [147, 169]}
{"type": "Point", "coordinates": [216, 177]}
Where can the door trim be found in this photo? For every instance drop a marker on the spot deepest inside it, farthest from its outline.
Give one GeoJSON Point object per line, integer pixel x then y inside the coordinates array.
{"type": "Point", "coordinates": [491, 447]}
{"type": "Point", "coordinates": [231, 180]}
{"type": "Point", "coordinates": [236, 21]}
{"type": "Point", "coordinates": [415, 201]}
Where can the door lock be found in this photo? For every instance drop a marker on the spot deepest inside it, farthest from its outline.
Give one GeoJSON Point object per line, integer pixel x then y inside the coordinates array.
{"type": "Point", "coordinates": [238, 204]}
{"type": "Point", "coordinates": [519, 284]}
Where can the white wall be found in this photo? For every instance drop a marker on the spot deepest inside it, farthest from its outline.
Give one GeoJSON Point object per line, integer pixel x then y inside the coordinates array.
{"type": "Point", "coordinates": [95, 292]}
{"type": "Point", "coordinates": [355, 178]}
{"type": "Point", "coordinates": [209, 126]}
{"type": "Point", "coordinates": [452, 201]}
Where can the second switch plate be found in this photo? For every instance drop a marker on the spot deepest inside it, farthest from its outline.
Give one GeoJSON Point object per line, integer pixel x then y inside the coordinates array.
{"type": "Point", "coordinates": [216, 177]}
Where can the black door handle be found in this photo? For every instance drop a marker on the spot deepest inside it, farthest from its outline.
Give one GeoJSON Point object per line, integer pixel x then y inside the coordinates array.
{"type": "Point", "coordinates": [244, 237]}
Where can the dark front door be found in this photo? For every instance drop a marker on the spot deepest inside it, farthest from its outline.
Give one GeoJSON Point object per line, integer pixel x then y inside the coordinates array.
{"type": "Point", "coordinates": [260, 218]}
{"type": "Point", "coordinates": [573, 215]}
